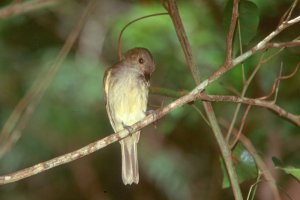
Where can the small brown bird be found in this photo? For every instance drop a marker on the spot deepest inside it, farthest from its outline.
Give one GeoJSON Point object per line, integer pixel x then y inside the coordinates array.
{"type": "Point", "coordinates": [126, 86]}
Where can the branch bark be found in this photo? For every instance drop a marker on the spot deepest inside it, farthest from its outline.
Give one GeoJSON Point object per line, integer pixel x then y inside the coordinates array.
{"type": "Point", "coordinates": [295, 119]}
{"type": "Point", "coordinates": [295, 43]}
{"type": "Point", "coordinates": [92, 147]}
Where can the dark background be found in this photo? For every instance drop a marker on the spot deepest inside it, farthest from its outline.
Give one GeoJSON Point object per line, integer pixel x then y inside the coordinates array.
{"type": "Point", "coordinates": [178, 156]}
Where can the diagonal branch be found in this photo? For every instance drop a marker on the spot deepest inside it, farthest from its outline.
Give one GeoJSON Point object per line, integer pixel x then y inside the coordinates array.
{"type": "Point", "coordinates": [232, 145]}
{"type": "Point", "coordinates": [92, 147]}
{"type": "Point", "coordinates": [179, 28]}
{"type": "Point", "coordinates": [27, 6]}
{"type": "Point", "coordinates": [295, 119]}
{"type": "Point", "coordinates": [295, 43]}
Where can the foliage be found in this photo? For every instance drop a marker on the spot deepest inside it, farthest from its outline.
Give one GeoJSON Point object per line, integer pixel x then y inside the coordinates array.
{"type": "Point", "coordinates": [179, 157]}
{"type": "Point", "coordinates": [245, 165]}
{"type": "Point", "coordinates": [294, 171]}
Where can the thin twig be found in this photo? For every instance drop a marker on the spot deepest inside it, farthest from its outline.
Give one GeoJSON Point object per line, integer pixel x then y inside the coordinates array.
{"type": "Point", "coordinates": [24, 7]}
{"type": "Point", "coordinates": [280, 50]}
{"type": "Point", "coordinates": [287, 15]}
{"type": "Point", "coordinates": [201, 114]}
{"type": "Point", "coordinates": [277, 87]}
{"type": "Point", "coordinates": [261, 45]}
{"type": "Point", "coordinates": [295, 119]}
{"type": "Point", "coordinates": [165, 5]}
{"type": "Point", "coordinates": [229, 39]}
{"type": "Point", "coordinates": [179, 28]}
{"type": "Point", "coordinates": [292, 9]}
{"type": "Point", "coordinates": [241, 49]}
{"type": "Point", "coordinates": [276, 82]}
{"type": "Point", "coordinates": [168, 92]}
{"type": "Point", "coordinates": [245, 88]}
{"type": "Point", "coordinates": [295, 43]}
{"type": "Point", "coordinates": [253, 188]}
{"type": "Point", "coordinates": [133, 21]}
{"type": "Point", "coordinates": [241, 127]}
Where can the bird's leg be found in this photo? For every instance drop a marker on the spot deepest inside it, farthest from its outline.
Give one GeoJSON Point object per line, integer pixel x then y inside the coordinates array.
{"type": "Point", "coordinates": [149, 112]}
{"type": "Point", "coordinates": [128, 128]}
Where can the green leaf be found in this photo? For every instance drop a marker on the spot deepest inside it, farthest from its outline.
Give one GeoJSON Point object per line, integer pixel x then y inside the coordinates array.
{"type": "Point", "coordinates": [244, 164]}
{"type": "Point", "coordinates": [249, 20]}
{"type": "Point", "coordinates": [248, 17]}
{"type": "Point", "coordinates": [295, 172]}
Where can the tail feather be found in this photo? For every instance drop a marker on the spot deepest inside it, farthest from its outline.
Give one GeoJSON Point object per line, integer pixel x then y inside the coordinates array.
{"type": "Point", "coordinates": [130, 169]}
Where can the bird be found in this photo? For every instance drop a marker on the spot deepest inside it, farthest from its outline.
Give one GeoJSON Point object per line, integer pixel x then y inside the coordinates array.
{"type": "Point", "coordinates": [126, 86]}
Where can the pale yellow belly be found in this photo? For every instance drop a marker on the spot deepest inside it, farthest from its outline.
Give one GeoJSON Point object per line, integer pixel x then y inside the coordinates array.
{"type": "Point", "coordinates": [128, 103]}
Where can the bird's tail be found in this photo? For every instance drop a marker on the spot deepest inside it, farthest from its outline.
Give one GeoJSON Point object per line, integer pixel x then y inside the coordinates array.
{"type": "Point", "coordinates": [130, 168]}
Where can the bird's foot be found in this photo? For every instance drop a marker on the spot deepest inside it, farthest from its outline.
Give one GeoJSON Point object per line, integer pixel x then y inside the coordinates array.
{"type": "Point", "coordinates": [149, 112]}
{"type": "Point", "coordinates": [128, 128]}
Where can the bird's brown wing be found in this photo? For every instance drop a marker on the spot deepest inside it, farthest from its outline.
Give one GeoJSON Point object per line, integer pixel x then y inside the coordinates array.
{"type": "Point", "coordinates": [106, 81]}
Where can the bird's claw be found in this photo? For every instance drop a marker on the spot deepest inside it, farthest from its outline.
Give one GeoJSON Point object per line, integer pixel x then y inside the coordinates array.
{"type": "Point", "coordinates": [149, 112]}
{"type": "Point", "coordinates": [128, 128]}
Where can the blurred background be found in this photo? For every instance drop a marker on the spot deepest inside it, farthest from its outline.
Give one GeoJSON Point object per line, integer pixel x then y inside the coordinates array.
{"type": "Point", "coordinates": [178, 155]}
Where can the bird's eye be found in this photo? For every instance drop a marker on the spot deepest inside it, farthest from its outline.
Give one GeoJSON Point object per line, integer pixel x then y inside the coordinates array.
{"type": "Point", "coordinates": [141, 60]}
